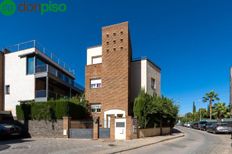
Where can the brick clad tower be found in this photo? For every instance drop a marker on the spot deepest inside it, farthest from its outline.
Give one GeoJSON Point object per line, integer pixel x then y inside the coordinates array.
{"type": "Point", "coordinates": [116, 57]}
{"type": "Point", "coordinates": [113, 72]}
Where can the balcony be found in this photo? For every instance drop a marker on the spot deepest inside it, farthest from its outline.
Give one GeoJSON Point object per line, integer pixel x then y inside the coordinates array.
{"type": "Point", "coordinates": [43, 50]}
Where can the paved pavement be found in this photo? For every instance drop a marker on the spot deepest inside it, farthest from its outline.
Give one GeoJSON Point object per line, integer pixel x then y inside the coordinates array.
{"type": "Point", "coordinates": [194, 142]}
{"type": "Point", "coordinates": [74, 146]}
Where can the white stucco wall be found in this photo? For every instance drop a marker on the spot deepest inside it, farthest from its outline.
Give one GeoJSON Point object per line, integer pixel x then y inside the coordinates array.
{"type": "Point", "coordinates": [92, 52]}
{"type": "Point", "coordinates": [22, 86]}
{"type": "Point", "coordinates": [144, 75]}
{"type": "Point", "coordinates": [140, 78]}
{"type": "Point", "coordinates": [152, 72]}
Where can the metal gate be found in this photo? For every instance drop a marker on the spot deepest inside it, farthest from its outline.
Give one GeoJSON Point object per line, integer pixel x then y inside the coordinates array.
{"type": "Point", "coordinates": [81, 129]}
{"type": "Point", "coordinates": [104, 132]}
{"type": "Point", "coordinates": [81, 133]}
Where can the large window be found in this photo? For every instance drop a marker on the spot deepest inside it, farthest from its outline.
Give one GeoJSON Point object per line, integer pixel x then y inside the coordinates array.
{"type": "Point", "coordinates": [30, 65]}
{"type": "Point", "coordinates": [95, 83]}
{"type": "Point", "coordinates": [96, 108]}
{"type": "Point", "coordinates": [97, 60]}
{"type": "Point", "coordinates": [40, 66]}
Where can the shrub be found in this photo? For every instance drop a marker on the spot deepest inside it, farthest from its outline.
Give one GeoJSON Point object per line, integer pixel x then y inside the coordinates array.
{"type": "Point", "coordinates": [52, 110]}
{"type": "Point", "coordinates": [23, 111]}
{"type": "Point", "coordinates": [153, 111]}
{"type": "Point", "coordinates": [62, 109]}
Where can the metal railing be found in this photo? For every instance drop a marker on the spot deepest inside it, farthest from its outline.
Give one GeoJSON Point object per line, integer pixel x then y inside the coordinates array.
{"type": "Point", "coordinates": [41, 48]}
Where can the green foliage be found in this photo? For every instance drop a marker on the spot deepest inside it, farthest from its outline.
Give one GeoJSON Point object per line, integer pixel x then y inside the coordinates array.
{"type": "Point", "coordinates": [23, 111]}
{"type": "Point", "coordinates": [52, 110]}
{"type": "Point", "coordinates": [154, 111]}
{"type": "Point", "coordinates": [220, 111]}
{"type": "Point", "coordinates": [210, 97]}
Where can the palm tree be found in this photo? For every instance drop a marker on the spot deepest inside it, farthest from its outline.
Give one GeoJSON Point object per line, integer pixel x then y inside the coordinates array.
{"type": "Point", "coordinates": [211, 97]}
{"type": "Point", "coordinates": [220, 110]}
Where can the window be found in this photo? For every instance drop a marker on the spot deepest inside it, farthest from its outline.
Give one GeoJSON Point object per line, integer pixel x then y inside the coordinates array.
{"type": "Point", "coordinates": [121, 40]}
{"type": "Point", "coordinates": [120, 124]}
{"type": "Point", "coordinates": [96, 108]}
{"type": "Point", "coordinates": [30, 65]}
{"type": "Point", "coordinates": [114, 41]}
{"type": "Point", "coordinates": [7, 89]}
{"type": "Point", "coordinates": [40, 66]}
{"type": "Point", "coordinates": [114, 34]}
{"type": "Point", "coordinates": [95, 83]}
{"type": "Point", "coordinates": [97, 60]}
{"type": "Point", "coordinates": [153, 83]}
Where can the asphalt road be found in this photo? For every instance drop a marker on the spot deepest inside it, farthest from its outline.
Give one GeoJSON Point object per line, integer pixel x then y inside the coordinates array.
{"type": "Point", "coordinates": [194, 142]}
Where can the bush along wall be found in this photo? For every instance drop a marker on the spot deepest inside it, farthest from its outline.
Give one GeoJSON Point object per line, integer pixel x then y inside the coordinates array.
{"type": "Point", "coordinates": [51, 110]}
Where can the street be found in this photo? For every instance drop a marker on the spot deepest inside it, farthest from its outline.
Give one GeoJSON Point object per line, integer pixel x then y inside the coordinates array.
{"type": "Point", "coordinates": [194, 142]}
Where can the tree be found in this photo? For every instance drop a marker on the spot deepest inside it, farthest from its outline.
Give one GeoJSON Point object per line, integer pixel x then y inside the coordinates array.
{"type": "Point", "coordinates": [194, 107]}
{"type": "Point", "coordinates": [151, 111]}
{"type": "Point", "coordinates": [141, 108]}
{"type": "Point", "coordinates": [210, 97]}
{"type": "Point", "coordinates": [202, 113]}
{"type": "Point", "coordinates": [220, 111]}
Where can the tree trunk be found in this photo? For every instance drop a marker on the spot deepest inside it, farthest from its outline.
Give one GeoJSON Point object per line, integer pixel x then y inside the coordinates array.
{"type": "Point", "coordinates": [161, 125]}
{"type": "Point", "coordinates": [210, 109]}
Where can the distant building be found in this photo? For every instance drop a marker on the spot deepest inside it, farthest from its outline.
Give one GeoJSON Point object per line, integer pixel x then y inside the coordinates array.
{"type": "Point", "coordinates": [113, 79]}
{"type": "Point", "coordinates": [28, 72]}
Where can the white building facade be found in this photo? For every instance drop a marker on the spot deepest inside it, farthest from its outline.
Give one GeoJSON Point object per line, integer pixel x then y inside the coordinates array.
{"type": "Point", "coordinates": [31, 75]}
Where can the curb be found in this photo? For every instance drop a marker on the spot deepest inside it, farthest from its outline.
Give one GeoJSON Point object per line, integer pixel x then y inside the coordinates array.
{"type": "Point", "coordinates": [137, 147]}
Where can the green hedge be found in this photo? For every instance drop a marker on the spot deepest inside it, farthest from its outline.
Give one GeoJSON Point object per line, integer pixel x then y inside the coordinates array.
{"type": "Point", "coordinates": [51, 110]}
{"type": "Point", "coordinates": [23, 111]}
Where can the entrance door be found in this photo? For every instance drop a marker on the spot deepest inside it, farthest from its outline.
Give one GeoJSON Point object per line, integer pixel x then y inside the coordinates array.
{"type": "Point", "coordinates": [120, 129]}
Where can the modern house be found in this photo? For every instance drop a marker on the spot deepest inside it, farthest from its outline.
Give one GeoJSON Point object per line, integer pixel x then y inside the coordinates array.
{"type": "Point", "coordinates": [113, 79]}
{"type": "Point", "coordinates": [28, 72]}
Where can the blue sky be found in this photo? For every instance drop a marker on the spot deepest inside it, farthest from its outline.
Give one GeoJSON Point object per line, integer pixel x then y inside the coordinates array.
{"type": "Point", "coordinates": [189, 39]}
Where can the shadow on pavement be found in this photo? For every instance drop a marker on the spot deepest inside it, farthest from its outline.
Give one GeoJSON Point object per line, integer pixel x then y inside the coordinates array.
{"type": "Point", "coordinates": [5, 143]}
{"type": "Point", "coordinates": [175, 130]}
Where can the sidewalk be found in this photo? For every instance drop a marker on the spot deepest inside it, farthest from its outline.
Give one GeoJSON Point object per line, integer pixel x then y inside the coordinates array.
{"type": "Point", "coordinates": [122, 146]}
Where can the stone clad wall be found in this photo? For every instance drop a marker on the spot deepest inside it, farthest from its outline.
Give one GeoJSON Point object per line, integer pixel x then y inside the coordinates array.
{"type": "Point", "coordinates": [46, 128]}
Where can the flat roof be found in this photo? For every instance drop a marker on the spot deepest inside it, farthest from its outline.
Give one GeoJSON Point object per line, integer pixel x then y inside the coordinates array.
{"type": "Point", "coordinates": [145, 58]}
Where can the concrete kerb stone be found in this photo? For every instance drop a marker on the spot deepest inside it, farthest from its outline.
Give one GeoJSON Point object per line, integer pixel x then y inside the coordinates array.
{"type": "Point", "coordinates": [124, 149]}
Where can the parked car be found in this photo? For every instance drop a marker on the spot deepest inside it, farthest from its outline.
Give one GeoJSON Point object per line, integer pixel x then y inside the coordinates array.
{"type": "Point", "coordinates": [209, 125]}
{"type": "Point", "coordinates": [13, 129]}
{"type": "Point", "coordinates": [202, 125]}
{"type": "Point", "coordinates": [9, 125]}
{"type": "Point", "coordinates": [4, 132]}
{"type": "Point", "coordinates": [219, 128]}
{"type": "Point", "coordinates": [194, 125]}
{"type": "Point", "coordinates": [187, 124]}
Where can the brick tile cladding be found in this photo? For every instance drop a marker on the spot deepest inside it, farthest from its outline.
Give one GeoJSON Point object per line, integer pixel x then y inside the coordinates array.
{"type": "Point", "coordinates": [114, 70]}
